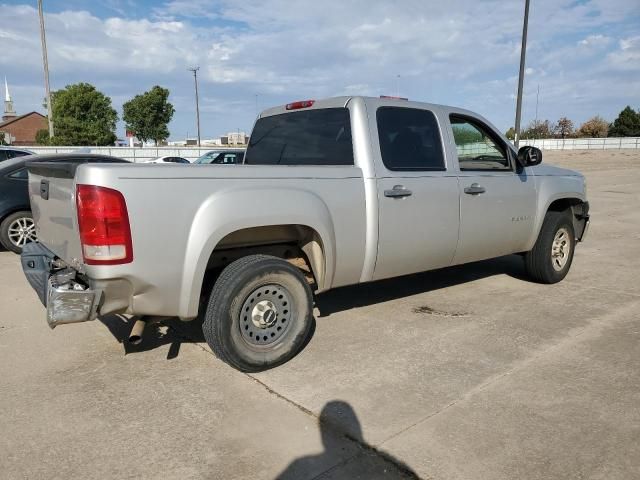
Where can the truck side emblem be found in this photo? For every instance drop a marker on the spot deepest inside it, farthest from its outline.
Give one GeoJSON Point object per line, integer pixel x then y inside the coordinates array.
{"type": "Point", "coordinates": [521, 218]}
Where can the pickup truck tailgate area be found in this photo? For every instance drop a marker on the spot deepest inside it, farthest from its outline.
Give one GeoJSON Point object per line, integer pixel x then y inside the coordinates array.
{"type": "Point", "coordinates": [52, 195]}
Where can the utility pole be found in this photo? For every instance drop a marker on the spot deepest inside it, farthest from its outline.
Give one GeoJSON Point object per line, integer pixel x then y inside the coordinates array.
{"type": "Point", "coordinates": [523, 52]}
{"type": "Point", "coordinates": [537, 98]}
{"type": "Point", "coordinates": [398, 85]}
{"type": "Point", "coordinates": [195, 79]}
{"type": "Point", "coordinates": [45, 62]}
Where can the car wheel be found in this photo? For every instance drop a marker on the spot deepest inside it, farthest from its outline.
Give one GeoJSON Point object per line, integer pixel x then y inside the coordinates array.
{"type": "Point", "coordinates": [17, 230]}
{"type": "Point", "coordinates": [259, 314]}
{"type": "Point", "coordinates": [550, 258]}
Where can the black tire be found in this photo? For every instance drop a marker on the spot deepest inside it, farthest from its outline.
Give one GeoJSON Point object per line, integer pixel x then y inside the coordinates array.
{"type": "Point", "coordinates": [234, 299]}
{"type": "Point", "coordinates": [5, 240]}
{"type": "Point", "coordinates": [539, 261]}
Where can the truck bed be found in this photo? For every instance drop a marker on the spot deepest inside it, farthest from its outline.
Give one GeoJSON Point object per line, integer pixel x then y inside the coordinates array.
{"type": "Point", "coordinates": [178, 213]}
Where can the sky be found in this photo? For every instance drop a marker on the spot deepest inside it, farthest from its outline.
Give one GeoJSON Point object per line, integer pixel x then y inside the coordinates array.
{"type": "Point", "coordinates": [253, 54]}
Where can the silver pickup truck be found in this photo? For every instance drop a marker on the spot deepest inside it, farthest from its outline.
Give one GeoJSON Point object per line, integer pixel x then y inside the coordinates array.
{"type": "Point", "coordinates": [331, 193]}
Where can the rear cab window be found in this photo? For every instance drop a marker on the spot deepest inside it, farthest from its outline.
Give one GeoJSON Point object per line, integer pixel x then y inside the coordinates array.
{"type": "Point", "coordinates": [409, 139]}
{"type": "Point", "coordinates": [310, 137]}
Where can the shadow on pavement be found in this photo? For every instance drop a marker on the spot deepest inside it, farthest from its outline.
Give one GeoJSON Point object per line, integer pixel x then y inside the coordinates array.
{"type": "Point", "coordinates": [172, 331]}
{"type": "Point", "coordinates": [337, 422]}
{"type": "Point", "coordinates": [361, 295]}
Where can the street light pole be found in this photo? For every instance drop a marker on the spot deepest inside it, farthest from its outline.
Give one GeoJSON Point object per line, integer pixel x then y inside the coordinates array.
{"type": "Point", "coordinates": [45, 63]}
{"type": "Point", "coordinates": [523, 52]}
{"type": "Point", "coordinates": [195, 79]}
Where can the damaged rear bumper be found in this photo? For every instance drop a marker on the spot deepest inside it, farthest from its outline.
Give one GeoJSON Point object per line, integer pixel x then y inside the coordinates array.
{"type": "Point", "coordinates": [67, 298]}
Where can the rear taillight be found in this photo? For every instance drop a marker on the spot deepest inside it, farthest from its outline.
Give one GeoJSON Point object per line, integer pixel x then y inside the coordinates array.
{"type": "Point", "coordinates": [103, 220]}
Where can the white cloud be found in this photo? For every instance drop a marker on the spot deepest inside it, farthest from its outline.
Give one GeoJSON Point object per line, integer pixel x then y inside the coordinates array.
{"type": "Point", "coordinates": [627, 57]}
{"type": "Point", "coordinates": [598, 40]}
{"type": "Point", "coordinates": [462, 51]}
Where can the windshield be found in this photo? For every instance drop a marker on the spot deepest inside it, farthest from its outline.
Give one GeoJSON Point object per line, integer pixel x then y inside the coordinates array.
{"type": "Point", "coordinates": [208, 157]}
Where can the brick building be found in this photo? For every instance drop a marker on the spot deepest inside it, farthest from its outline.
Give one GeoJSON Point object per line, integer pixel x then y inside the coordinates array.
{"type": "Point", "coordinates": [21, 130]}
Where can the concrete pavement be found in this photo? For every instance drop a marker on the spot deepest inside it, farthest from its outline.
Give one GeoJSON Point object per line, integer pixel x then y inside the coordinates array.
{"type": "Point", "coordinates": [470, 372]}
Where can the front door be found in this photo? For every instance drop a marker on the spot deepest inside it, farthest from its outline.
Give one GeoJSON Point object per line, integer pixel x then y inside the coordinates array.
{"type": "Point", "coordinates": [418, 195]}
{"type": "Point", "coordinates": [497, 203]}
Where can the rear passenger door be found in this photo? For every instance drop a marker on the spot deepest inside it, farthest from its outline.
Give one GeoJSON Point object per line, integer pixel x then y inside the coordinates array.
{"type": "Point", "coordinates": [497, 202]}
{"type": "Point", "coordinates": [417, 194]}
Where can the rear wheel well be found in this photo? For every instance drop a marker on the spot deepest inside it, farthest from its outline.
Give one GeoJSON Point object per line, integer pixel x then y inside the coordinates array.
{"type": "Point", "coordinates": [298, 244]}
{"type": "Point", "coordinates": [13, 210]}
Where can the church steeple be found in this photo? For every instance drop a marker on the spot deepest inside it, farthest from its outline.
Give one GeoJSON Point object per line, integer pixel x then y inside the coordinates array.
{"type": "Point", "coordinates": [9, 112]}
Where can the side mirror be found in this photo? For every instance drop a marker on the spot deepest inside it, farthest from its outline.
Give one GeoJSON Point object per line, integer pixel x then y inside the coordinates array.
{"type": "Point", "coordinates": [529, 156]}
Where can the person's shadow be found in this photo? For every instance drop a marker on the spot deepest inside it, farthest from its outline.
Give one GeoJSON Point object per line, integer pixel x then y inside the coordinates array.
{"type": "Point", "coordinates": [346, 455]}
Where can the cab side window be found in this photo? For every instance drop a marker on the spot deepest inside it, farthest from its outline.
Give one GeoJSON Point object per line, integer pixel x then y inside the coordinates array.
{"type": "Point", "coordinates": [409, 139]}
{"type": "Point", "coordinates": [477, 146]}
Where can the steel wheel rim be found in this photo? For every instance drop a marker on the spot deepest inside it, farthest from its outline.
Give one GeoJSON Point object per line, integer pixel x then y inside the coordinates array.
{"type": "Point", "coordinates": [22, 231]}
{"type": "Point", "coordinates": [265, 315]}
{"type": "Point", "coordinates": [560, 249]}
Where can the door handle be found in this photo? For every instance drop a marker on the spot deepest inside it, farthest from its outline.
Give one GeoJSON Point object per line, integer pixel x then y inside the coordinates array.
{"type": "Point", "coordinates": [398, 191]}
{"type": "Point", "coordinates": [474, 189]}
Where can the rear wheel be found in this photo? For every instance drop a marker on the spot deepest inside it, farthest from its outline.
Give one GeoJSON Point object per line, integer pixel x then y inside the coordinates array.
{"type": "Point", "coordinates": [550, 258]}
{"type": "Point", "coordinates": [259, 314]}
{"type": "Point", "coordinates": [17, 230]}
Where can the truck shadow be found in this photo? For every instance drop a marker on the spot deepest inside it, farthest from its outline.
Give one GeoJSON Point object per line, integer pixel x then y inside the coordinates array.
{"type": "Point", "coordinates": [354, 296]}
{"type": "Point", "coordinates": [174, 332]}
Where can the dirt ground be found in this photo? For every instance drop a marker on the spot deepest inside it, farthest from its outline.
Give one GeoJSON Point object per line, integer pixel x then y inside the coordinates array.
{"type": "Point", "coordinates": [470, 372]}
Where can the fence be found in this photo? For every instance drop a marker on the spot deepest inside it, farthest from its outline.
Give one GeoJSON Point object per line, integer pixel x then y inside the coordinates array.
{"type": "Point", "coordinates": [136, 154]}
{"type": "Point", "coordinates": [584, 143]}
{"type": "Point", "coordinates": [191, 153]}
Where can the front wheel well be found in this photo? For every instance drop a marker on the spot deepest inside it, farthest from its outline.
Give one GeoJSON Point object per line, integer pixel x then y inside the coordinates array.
{"type": "Point", "coordinates": [579, 212]}
{"type": "Point", "coordinates": [563, 204]}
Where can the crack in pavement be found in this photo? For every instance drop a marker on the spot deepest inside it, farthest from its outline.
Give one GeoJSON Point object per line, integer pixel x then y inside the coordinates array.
{"type": "Point", "coordinates": [568, 340]}
{"type": "Point", "coordinates": [574, 336]}
{"type": "Point", "coordinates": [361, 444]}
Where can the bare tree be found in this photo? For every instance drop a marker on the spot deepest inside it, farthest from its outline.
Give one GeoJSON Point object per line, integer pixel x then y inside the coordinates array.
{"type": "Point", "coordinates": [564, 128]}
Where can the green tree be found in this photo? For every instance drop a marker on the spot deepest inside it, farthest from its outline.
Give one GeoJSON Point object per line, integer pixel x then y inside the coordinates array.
{"type": "Point", "coordinates": [466, 135]}
{"type": "Point", "coordinates": [511, 133]}
{"type": "Point", "coordinates": [147, 115]}
{"type": "Point", "coordinates": [596, 127]}
{"type": "Point", "coordinates": [626, 125]}
{"type": "Point", "coordinates": [42, 137]}
{"type": "Point", "coordinates": [82, 116]}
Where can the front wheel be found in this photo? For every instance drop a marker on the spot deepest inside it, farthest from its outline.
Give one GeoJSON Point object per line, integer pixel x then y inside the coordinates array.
{"type": "Point", "coordinates": [259, 314]}
{"type": "Point", "coordinates": [17, 230]}
{"type": "Point", "coordinates": [550, 258]}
